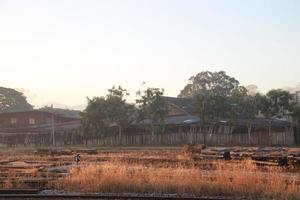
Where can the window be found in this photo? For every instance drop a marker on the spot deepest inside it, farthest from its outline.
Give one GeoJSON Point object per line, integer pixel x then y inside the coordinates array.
{"type": "Point", "coordinates": [31, 121]}
{"type": "Point", "coordinates": [13, 120]}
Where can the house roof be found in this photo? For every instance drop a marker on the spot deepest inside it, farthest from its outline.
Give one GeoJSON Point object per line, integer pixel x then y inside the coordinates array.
{"type": "Point", "coordinates": [73, 125]}
{"type": "Point", "coordinates": [185, 104]}
{"type": "Point", "coordinates": [62, 112]}
{"type": "Point", "coordinates": [261, 122]}
{"type": "Point", "coordinates": [57, 112]}
{"type": "Point", "coordinates": [177, 120]}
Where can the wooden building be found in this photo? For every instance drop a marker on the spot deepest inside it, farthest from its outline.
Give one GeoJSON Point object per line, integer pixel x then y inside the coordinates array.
{"type": "Point", "coordinates": [39, 128]}
{"type": "Point", "coordinates": [31, 118]}
{"type": "Point", "coordinates": [180, 111]}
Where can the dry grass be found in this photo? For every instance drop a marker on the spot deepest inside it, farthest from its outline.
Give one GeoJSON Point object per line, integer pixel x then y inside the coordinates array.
{"type": "Point", "coordinates": [242, 179]}
{"type": "Point", "coordinates": [155, 171]}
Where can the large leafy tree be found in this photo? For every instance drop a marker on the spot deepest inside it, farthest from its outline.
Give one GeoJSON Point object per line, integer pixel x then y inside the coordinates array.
{"type": "Point", "coordinates": [152, 107]}
{"type": "Point", "coordinates": [118, 111]}
{"type": "Point", "coordinates": [244, 106]}
{"type": "Point", "coordinates": [280, 101]}
{"type": "Point", "coordinates": [218, 83]}
{"type": "Point", "coordinates": [109, 111]}
{"type": "Point", "coordinates": [94, 117]}
{"type": "Point", "coordinates": [12, 100]}
{"type": "Point", "coordinates": [211, 91]}
{"type": "Point", "coordinates": [275, 103]}
{"type": "Point", "coordinates": [211, 107]}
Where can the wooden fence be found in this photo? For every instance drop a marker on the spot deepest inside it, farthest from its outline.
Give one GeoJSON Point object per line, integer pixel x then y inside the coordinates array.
{"type": "Point", "coordinates": [174, 139]}
{"type": "Point", "coordinates": [285, 138]}
{"type": "Point", "coordinates": [41, 139]}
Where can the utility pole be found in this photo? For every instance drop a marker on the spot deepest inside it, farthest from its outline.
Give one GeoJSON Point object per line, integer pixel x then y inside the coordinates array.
{"type": "Point", "coordinates": [53, 128]}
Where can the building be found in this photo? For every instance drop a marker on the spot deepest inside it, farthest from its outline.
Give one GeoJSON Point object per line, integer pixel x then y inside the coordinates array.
{"type": "Point", "coordinates": [39, 128]}
{"type": "Point", "coordinates": [180, 111]}
{"type": "Point", "coordinates": [32, 118]}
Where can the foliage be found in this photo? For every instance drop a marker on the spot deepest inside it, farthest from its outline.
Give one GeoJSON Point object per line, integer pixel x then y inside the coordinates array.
{"type": "Point", "coordinates": [280, 101]}
{"type": "Point", "coordinates": [218, 83]}
{"type": "Point", "coordinates": [210, 106]}
{"type": "Point", "coordinates": [243, 104]}
{"type": "Point", "coordinates": [296, 119]}
{"type": "Point", "coordinates": [152, 107]}
{"type": "Point", "coordinates": [104, 112]}
{"type": "Point", "coordinates": [94, 117]}
{"type": "Point", "coordinates": [219, 96]}
{"type": "Point", "coordinates": [13, 101]}
{"type": "Point", "coordinates": [118, 111]}
{"type": "Point", "coordinates": [296, 112]}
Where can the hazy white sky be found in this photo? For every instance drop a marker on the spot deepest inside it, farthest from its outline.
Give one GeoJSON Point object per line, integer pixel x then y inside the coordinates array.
{"type": "Point", "coordinates": [62, 51]}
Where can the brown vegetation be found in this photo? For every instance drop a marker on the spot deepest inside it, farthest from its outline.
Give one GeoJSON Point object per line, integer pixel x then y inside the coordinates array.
{"type": "Point", "coordinates": [226, 179]}
{"type": "Point", "coordinates": [191, 171]}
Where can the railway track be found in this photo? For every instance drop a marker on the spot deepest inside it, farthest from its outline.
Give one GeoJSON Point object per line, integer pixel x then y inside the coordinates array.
{"type": "Point", "coordinates": [35, 194]}
{"type": "Point", "coordinates": [108, 197]}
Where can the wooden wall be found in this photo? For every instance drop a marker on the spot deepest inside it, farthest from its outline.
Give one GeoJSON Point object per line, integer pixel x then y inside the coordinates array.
{"type": "Point", "coordinates": [285, 138]}
{"type": "Point", "coordinates": [174, 139]}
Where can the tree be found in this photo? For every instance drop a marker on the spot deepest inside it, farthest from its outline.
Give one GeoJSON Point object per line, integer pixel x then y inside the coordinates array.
{"type": "Point", "coordinates": [118, 111]}
{"type": "Point", "coordinates": [152, 107]}
{"type": "Point", "coordinates": [280, 101]}
{"type": "Point", "coordinates": [210, 108]}
{"type": "Point", "coordinates": [13, 101]}
{"type": "Point", "coordinates": [296, 120]}
{"type": "Point", "coordinates": [267, 110]}
{"type": "Point", "coordinates": [245, 106]}
{"type": "Point", "coordinates": [204, 107]}
{"type": "Point", "coordinates": [216, 82]}
{"type": "Point", "coordinates": [275, 103]}
{"type": "Point", "coordinates": [94, 117]}
{"type": "Point", "coordinates": [104, 112]}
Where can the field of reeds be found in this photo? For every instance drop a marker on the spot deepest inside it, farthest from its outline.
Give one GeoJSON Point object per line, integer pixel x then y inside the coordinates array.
{"type": "Point", "coordinates": [188, 172]}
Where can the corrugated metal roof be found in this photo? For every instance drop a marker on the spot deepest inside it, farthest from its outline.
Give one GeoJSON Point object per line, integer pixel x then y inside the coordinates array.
{"type": "Point", "coordinates": [184, 103]}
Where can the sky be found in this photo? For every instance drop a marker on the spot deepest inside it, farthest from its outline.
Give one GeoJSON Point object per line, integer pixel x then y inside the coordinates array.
{"type": "Point", "coordinates": [63, 51]}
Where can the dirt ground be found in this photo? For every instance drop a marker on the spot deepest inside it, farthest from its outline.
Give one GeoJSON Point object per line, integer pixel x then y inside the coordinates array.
{"type": "Point", "coordinates": [43, 168]}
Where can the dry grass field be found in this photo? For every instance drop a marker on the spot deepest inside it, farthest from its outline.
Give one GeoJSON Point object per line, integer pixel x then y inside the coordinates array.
{"type": "Point", "coordinates": [152, 171]}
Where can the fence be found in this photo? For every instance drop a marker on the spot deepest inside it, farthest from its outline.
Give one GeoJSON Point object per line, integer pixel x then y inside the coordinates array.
{"type": "Point", "coordinates": [174, 139]}
{"type": "Point", "coordinates": [42, 139]}
{"type": "Point", "coordinates": [285, 138]}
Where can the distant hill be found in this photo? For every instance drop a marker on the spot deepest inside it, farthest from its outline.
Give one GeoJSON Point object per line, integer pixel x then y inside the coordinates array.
{"type": "Point", "coordinates": [13, 101]}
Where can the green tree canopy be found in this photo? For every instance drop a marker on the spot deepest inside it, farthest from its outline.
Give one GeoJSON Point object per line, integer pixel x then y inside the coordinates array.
{"type": "Point", "coordinates": [152, 107]}
{"type": "Point", "coordinates": [94, 117]}
{"type": "Point", "coordinates": [279, 101]}
{"type": "Point", "coordinates": [13, 101]}
{"type": "Point", "coordinates": [218, 83]}
{"type": "Point", "coordinates": [118, 111]}
{"type": "Point", "coordinates": [243, 104]}
{"type": "Point", "coordinates": [109, 111]}
{"type": "Point", "coordinates": [211, 107]}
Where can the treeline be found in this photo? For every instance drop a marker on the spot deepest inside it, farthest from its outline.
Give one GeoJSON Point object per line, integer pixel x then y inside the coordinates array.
{"type": "Point", "coordinates": [217, 97]}
{"type": "Point", "coordinates": [113, 110]}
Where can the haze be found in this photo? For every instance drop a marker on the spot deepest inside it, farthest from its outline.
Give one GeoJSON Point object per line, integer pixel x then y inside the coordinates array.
{"type": "Point", "coordinates": [63, 51]}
